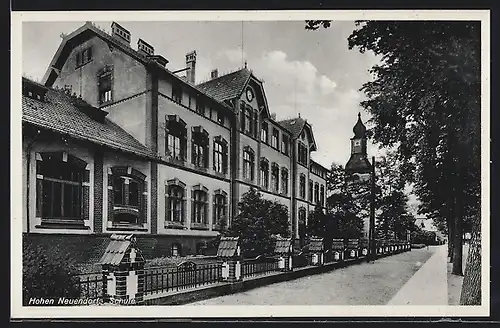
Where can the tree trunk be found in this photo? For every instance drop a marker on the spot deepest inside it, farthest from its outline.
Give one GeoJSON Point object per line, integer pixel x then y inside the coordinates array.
{"type": "Point", "coordinates": [457, 240]}
{"type": "Point", "coordinates": [471, 286]}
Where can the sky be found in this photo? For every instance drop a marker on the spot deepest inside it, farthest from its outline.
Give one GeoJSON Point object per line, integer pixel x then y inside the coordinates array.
{"type": "Point", "coordinates": [308, 72]}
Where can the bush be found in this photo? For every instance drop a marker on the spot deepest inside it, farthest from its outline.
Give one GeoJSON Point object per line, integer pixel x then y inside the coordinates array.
{"type": "Point", "coordinates": [48, 275]}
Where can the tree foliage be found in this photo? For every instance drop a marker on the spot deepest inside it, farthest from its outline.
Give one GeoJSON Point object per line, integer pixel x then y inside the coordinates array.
{"type": "Point", "coordinates": [425, 102]}
{"type": "Point", "coordinates": [258, 221]}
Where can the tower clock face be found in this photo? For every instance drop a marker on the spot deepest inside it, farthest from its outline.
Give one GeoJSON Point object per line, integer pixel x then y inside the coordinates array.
{"type": "Point", "coordinates": [249, 95]}
{"type": "Point", "coordinates": [357, 143]}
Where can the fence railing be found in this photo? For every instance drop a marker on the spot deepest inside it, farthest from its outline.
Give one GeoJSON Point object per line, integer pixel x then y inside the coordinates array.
{"type": "Point", "coordinates": [166, 279]}
{"type": "Point", "coordinates": [259, 265]}
{"type": "Point", "coordinates": [89, 284]}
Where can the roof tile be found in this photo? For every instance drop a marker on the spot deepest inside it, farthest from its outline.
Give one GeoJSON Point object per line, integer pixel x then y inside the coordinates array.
{"type": "Point", "coordinates": [293, 125]}
{"type": "Point", "coordinates": [59, 113]}
{"type": "Point", "coordinates": [228, 86]}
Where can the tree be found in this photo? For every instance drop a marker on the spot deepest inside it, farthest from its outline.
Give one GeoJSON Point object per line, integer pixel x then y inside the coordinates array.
{"type": "Point", "coordinates": [425, 101]}
{"type": "Point", "coordinates": [323, 225]}
{"type": "Point", "coordinates": [347, 204]}
{"type": "Point", "coordinates": [258, 221]}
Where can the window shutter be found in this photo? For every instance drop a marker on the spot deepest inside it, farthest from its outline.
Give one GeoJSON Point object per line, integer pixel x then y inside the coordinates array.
{"type": "Point", "coordinates": [89, 53]}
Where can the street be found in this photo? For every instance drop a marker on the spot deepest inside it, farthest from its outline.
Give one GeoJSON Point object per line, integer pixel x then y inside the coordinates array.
{"type": "Point", "coordinates": [363, 284]}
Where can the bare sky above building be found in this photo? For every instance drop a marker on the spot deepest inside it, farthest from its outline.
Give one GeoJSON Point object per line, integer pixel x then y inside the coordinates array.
{"type": "Point", "coordinates": [308, 72]}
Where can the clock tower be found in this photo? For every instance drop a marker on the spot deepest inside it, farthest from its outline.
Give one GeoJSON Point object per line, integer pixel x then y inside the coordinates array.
{"type": "Point", "coordinates": [358, 162]}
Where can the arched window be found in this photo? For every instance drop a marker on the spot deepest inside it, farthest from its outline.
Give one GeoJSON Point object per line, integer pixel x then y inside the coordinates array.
{"type": "Point", "coordinates": [219, 218]}
{"type": "Point", "coordinates": [316, 193]}
{"type": "Point", "coordinates": [199, 147]}
{"type": "Point", "coordinates": [175, 138]}
{"type": "Point", "coordinates": [199, 209]}
{"type": "Point", "coordinates": [302, 186]}
{"type": "Point", "coordinates": [264, 173]}
{"type": "Point", "coordinates": [220, 155]}
{"type": "Point", "coordinates": [128, 196]}
{"type": "Point", "coordinates": [175, 204]}
{"type": "Point", "coordinates": [284, 181]}
{"type": "Point", "coordinates": [275, 177]}
{"type": "Point", "coordinates": [322, 195]}
{"type": "Point", "coordinates": [248, 164]}
{"type": "Point", "coordinates": [60, 190]}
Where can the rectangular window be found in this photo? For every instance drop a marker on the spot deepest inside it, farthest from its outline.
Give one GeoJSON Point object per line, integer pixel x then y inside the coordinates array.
{"type": "Point", "coordinates": [263, 132]}
{"type": "Point", "coordinates": [177, 93]}
{"type": "Point", "coordinates": [302, 154]}
{"type": "Point", "coordinates": [248, 165]}
{"type": "Point", "coordinates": [84, 56]}
{"type": "Point", "coordinates": [220, 117]}
{"type": "Point", "coordinates": [274, 139]}
{"type": "Point", "coordinates": [310, 190]}
{"type": "Point", "coordinates": [200, 107]}
{"type": "Point", "coordinates": [242, 116]}
{"type": "Point", "coordinates": [105, 92]}
{"type": "Point", "coordinates": [219, 158]}
{"type": "Point", "coordinates": [248, 122]}
{"type": "Point", "coordinates": [284, 144]}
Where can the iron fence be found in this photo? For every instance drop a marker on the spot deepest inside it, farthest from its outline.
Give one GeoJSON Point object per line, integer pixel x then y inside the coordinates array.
{"type": "Point", "coordinates": [259, 265]}
{"type": "Point", "coordinates": [90, 284]}
{"type": "Point", "coordinates": [165, 279]}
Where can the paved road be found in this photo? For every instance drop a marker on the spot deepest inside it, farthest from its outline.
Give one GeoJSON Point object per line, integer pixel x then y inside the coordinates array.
{"type": "Point", "coordinates": [362, 284]}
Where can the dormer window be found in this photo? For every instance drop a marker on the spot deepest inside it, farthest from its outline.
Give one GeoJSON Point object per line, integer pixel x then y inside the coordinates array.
{"type": "Point", "coordinates": [34, 90]}
{"type": "Point", "coordinates": [83, 57]}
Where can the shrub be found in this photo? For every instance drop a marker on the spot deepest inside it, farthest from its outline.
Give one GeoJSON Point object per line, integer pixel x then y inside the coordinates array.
{"type": "Point", "coordinates": [48, 274]}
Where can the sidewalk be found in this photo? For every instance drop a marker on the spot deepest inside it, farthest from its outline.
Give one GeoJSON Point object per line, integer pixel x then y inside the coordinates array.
{"type": "Point", "coordinates": [429, 285]}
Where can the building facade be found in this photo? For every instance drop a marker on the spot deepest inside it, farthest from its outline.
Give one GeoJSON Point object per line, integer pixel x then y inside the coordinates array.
{"type": "Point", "coordinates": [143, 150]}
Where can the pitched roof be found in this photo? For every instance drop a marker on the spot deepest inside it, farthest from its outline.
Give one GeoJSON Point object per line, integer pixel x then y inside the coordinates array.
{"type": "Point", "coordinates": [227, 86]}
{"type": "Point", "coordinates": [117, 248]}
{"type": "Point", "coordinates": [282, 245]}
{"type": "Point", "coordinates": [316, 245]}
{"type": "Point", "coordinates": [293, 125]}
{"type": "Point", "coordinates": [228, 246]}
{"type": "Point", "coordinates": [60, 113]}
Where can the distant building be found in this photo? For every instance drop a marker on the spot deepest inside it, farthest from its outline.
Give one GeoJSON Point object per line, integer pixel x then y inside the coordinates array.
{"type": "Point", "coordinates": [142, 150]}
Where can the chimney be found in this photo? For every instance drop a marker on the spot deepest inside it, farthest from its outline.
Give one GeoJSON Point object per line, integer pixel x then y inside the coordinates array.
{"type": "Point", "coordinates": [191, 64]}
{"type": "Point", "coordinates": [214, 74]}
{"type": "Point", "coordinates": [120, 33]}
{"type": "Point", "coordinates": [145, 48]}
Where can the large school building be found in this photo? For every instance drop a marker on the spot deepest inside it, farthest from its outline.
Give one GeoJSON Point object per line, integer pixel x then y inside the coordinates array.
{"type": "Point", "coordinates": [115, 142]}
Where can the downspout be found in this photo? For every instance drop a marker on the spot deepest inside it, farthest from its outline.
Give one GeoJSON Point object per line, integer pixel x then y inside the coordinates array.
{"type": "Point", "coordinates": [28, 167]}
